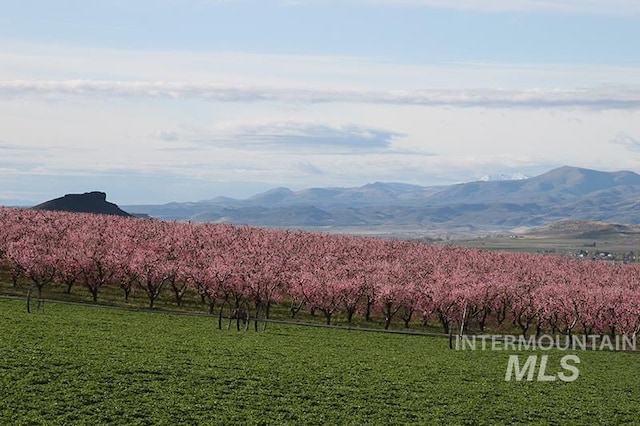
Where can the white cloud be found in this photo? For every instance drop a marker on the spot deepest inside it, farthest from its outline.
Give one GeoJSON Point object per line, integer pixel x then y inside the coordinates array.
{"type": "Point", "coordinates": [609, 7]}
{"type": "Point", "coordinates": [167, 135]}
{"type": "Point", "coordinates": [612, 97]}
{"type": "Point", "coordinates": [627, 141]}
{"type": "Point", "coordinates": [310, 169]}
{"type": "Point", "coordinates": [12, 147]}
{"type": "Point", "coordinates": [612, 7]}
{"type": "Point", "coordinates": [50, 63]}
{"type": "Point", "coordinates": [316, 136]}
{"type": "Point", "coordinates": [284, 136]}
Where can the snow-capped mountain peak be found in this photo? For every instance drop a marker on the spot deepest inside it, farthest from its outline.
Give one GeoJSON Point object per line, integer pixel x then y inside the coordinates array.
{"type": "Point", "coordinates": [503, 176]}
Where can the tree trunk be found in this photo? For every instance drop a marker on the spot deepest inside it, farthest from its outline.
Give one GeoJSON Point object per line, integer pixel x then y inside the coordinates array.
{"type": "Point", "coordinates": [255, 323]}
{"type": "Point", "coordinates": [219, 315]}
{"type": "Point", "coordinates": [367, 312]}
{"type": "Point", "coordinates": [327, 315]}
{"type": "Point", "coordinates": [178, 291]}
{"type": "Point", "coordinates": [501, 315]}
{"type": "Point", "coordinates": [407, 314]}
{"type": "Point", "coordinates": [450, 327]}
{"type": "Point", "coordinates": [524, 327]}
{"type": "Point", "coordinates": [444, 322]}
{"type": "Point", "coordinates": [126, 288]}
{"type": "Point", "coordinates": [483, 320]}
{"type": "Point", "coordinates": [15, 275]}
{"type": "Point", "coordinates": [295, 308]}
{"type": "Point", "coordinates": [351, 310]}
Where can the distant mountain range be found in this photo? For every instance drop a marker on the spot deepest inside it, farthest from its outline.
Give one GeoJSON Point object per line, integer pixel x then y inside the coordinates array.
{"type": "Point", "coordinates": [565, 193]}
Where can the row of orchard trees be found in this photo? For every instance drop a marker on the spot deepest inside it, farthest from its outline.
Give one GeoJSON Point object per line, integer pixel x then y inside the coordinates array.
{"type": "Point", "coordinates": [243, 269]}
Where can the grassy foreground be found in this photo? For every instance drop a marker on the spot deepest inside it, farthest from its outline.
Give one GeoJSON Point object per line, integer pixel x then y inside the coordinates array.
{"type": "Point", "coordinates": [84, 365]}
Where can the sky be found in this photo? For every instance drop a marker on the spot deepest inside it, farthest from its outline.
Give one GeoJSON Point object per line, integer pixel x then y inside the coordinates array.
{"type": "Point", "coordinates": [154, 101]}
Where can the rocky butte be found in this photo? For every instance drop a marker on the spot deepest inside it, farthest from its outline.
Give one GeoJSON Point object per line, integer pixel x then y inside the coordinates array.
{"type": "Point", "coordinates": [89, 202]}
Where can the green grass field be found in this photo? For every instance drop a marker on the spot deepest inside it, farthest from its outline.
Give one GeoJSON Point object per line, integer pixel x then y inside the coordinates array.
{"type": "Point", "coordinates": [95, 365]}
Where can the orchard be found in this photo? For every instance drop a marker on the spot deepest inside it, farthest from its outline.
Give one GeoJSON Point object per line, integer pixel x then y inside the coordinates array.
{"type": "Point", "coordinates": [242, 272]}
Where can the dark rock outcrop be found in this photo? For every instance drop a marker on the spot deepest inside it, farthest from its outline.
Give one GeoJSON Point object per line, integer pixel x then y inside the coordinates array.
{"type": "Point", "coordinates": [89, 202]}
